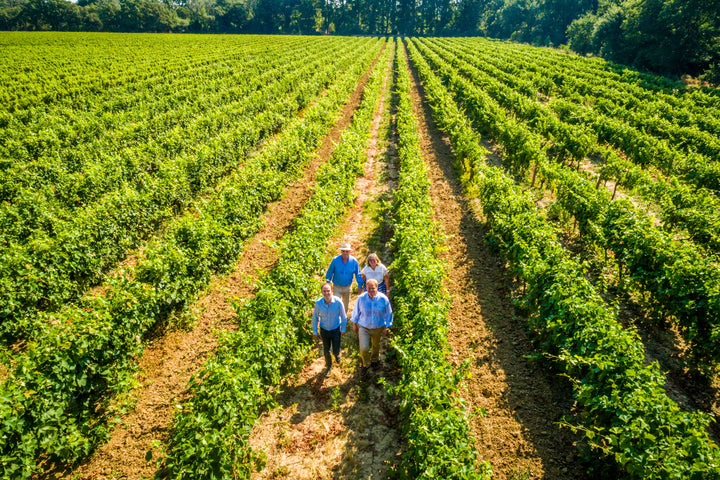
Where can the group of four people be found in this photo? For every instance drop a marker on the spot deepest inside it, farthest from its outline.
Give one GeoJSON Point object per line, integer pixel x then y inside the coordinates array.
{"type": "Point", "coordinates": [371, 317]}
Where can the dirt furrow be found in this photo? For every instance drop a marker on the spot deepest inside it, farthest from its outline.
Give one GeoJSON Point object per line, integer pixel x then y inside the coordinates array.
{"type": "Point", "coordinates": [516, 403]}
{"type": "Point", "coordinates": [174, 356]}
{"type": "Point", "coordinates": [338, 426]}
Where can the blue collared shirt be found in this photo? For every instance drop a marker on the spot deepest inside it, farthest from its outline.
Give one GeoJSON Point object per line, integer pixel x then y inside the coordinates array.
{"type": "Point", "coordinates": [341, 273]}
{"type": "Point", "coordinates": [373, 312]}
{"type": "Point", "coordinates": [330, 316]}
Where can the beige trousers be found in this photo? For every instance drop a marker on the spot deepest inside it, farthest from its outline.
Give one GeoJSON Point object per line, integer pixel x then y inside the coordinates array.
{"type": "Point", "coordinates": [344, 294]}
{"type": "Point", "coordinates": [366, 336]}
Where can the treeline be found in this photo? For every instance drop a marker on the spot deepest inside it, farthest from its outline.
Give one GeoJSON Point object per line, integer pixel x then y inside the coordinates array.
{"type": "Point", "coordinates": [664, 36]}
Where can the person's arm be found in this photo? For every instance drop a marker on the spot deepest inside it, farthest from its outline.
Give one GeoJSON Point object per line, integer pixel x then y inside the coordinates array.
{"type": "Point", "coordinates": [330, 271]}
{"type": "Point", "coordinates": [364, 278]}
{"type": "Point", "coordinates": [358, 276]}
{"type": "Point", "coordinates": [355, 315]}
{"type": "Point", "coordinates": [315, 322]}
{"type": "Point", "coordinates": [343, 319]}
{"type": "Point", "coordinates": [386, 279]}
{"type": "Point", "coordinates": [388, 317]}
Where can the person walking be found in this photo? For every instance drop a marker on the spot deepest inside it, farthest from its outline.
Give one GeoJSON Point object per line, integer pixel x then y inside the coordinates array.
{"type": "Point", "coordinates": [375, 270]}
{"type": "Point", "coordinates": [329, 322]}
{"type": "Point", "coordinates": [371, 317]}
{"type": "Point", "coordinates": [340, 273]}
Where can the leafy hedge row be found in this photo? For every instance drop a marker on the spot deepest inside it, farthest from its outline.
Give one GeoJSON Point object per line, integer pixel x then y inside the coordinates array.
{"type": "Point", "coordinates": [643, 148]}
{"type": "Point", "coordinates": [53, 402]}
{"type": "Point", "coordinates": [564, 141]}
{"type": "Point", "coordinates": [439, 442]}
{"type": "Point", "coordinates": [625, 414]}
{"type": "Point", "coordinates": [631, 137]}
{"type": "Point", "coordinates": [78, 63]}
{"type": "Point", "coordinates": [589, 79]}
{"type": "Point", "coordinates": [683, 283]}
{"type": "Point", "coordinates": [57, 266]}
{"type": "Point", "coordinates": [65, 140]}
{"type": "Point", "coordinates": [71, 157]}
{"type": "Point", "coordinates": [685, 207]}
{"type": "Point", "coordinates": [211, 431]}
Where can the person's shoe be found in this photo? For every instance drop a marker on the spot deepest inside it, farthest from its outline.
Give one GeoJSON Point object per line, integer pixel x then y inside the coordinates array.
{"type": "Point", "coordinates": [328, 370]}
{"type": "Point", "coordinates": [363, 372]}
{"type": "Point", "coordinates": [337, 360]}
{"type": "Point", "coordinates": [375, 365]}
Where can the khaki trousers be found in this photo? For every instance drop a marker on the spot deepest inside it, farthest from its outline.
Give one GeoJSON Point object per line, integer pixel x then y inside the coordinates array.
{"type": "Point", "coordinates": [344, 294]}
{"type": "Point", "coordinates": [366, 336]}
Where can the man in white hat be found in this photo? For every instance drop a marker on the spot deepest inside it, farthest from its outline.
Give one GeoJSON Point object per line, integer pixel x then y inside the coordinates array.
{"type": "Point", "coordinates": [340, 274]}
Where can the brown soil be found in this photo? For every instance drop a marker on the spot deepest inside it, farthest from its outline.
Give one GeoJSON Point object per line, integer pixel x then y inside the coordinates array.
{"type": "Point", "coordinates": [520, 402]}
{"type": "Point", "coordinates": [171, 358]}
{"type": "Point", "coordinates": [337, 426]}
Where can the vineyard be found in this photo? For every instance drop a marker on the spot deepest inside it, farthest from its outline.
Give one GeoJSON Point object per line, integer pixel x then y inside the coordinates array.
{"type": "Point", "coordinates": [169, 204]}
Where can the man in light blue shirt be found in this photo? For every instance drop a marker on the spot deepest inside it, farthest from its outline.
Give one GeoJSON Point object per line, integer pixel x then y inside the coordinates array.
{"type": "Point", "coordinates": [340, 273]}
{"type": "Point", "coordinates": [330, 319]}
{"type": "Point", "coordinates": [372, 316]}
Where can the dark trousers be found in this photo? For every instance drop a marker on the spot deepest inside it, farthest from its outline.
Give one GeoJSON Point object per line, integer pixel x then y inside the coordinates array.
{"type": "Point", "coordinates": [330, 339]}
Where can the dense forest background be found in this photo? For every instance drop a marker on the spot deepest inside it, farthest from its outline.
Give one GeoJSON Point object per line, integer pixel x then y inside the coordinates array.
{"type": "Point", "coordinates": [664, 36]}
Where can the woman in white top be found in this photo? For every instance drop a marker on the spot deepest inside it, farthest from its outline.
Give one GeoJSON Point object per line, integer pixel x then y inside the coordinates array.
{"type": "Point", "coordinates": [375, 270]}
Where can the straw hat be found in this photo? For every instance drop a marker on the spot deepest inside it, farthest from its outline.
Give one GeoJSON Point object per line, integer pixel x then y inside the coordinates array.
{"type": "Point", "coordinates": [345, 246]}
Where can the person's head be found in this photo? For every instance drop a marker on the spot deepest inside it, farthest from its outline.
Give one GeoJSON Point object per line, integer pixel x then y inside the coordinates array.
{"type": "Point", "coordinates": [327, 291]}
{"type": "Point", "coordinates": [372, 287]}
{"type": "Point", "coordinates": [373, 260]}
{"type": "Point", "coordinates": [345, 250]}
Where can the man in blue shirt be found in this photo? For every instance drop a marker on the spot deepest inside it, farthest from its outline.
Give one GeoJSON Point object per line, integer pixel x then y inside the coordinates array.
{"type": "Point", "coordinates": [372, 316]}
{"type": "Point", "coordinates": [329, 316]}
{"type": "Point", "coordinates": [340, 273]}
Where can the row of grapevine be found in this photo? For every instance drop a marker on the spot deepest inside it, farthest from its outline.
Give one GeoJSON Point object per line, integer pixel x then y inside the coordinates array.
{"type": "Point", "coordinates": [53, 403]}
{"type": "Point", "coordinates": [625, 414]}
{"type": "Point", "coordinates": [686, 210]}
{"type": "Point", "coordinates": [567, 75]}
{"type": "Point", "coordinates": [633, 140]}
{"type": "Point", "coordinates": [684, 206]}
{"type": "Point", "coordinates": [565, 142]}
{"type": "Point", "coordinates": [93, 70]}
{"type": "Point", "coordinates": [683, 284]}
{"type": "Point", "coordinates": [70, 177]}
{"type": "Point", "coordinates": [679, 283]}
{"type": "Point", "coordinates": [63, 137]}
{"type": "Point", "coordinates": [46, 192]}
{"type": "Point", "coordinates": [50, 268]}
{"type": "Point", "coordinates": [439, 441]}
{"type": "Point", "coordinates": [211, 431]}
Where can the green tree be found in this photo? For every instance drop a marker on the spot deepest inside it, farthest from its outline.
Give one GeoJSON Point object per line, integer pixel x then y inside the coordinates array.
{"type": "Point", "coordinates": [235, 17]}
{"type": "Point", "coordinates": [146, 16]}
{"type": "Point", "coordinates": [672, 35]}
{"type": "Point", "coordinates": [580, 33]}
{"type": "Point", "coordinates": [11, 14]}
{"type": "Point", "coordinates": [52, 15]}
{"type": "Point", "coordinates": [467, 21]}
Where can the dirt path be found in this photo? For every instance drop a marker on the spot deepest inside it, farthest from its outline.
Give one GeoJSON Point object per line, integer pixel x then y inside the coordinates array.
{"type": "Point", "coordinates": [338, 426]}
{"type": "Point", "coordinates": [170, 360]}
{"type": "Point", "coordinates": [521, 402]}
